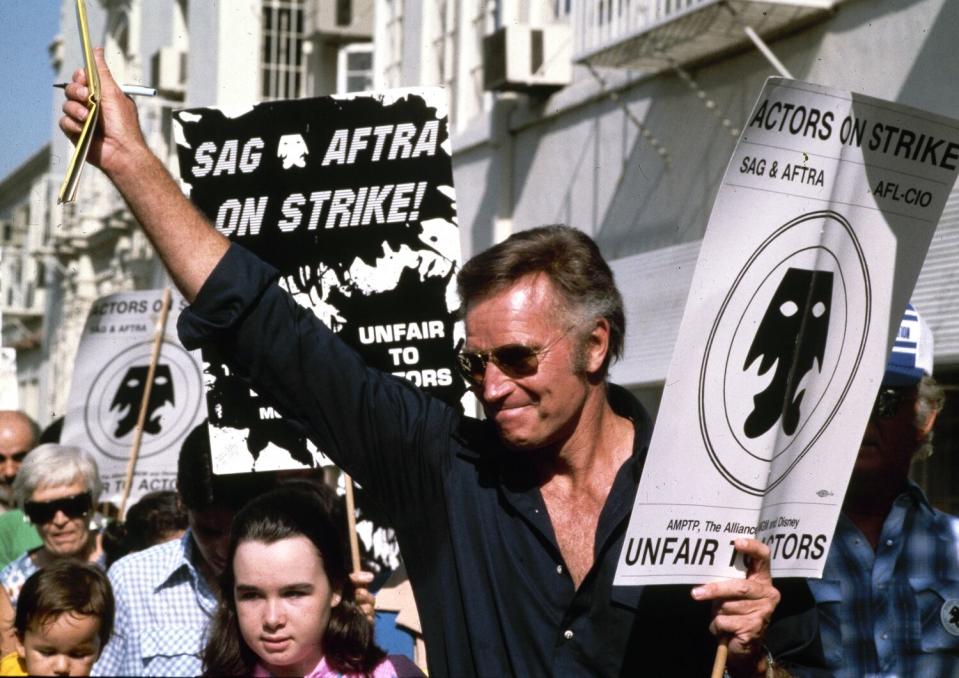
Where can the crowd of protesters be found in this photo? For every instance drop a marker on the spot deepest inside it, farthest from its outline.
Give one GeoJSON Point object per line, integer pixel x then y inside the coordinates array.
{"type": "Point", "coordinates": [138, 596]}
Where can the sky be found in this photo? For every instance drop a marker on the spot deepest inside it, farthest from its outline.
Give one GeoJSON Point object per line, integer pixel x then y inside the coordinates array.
{"type": "Point", "coordinates": [26, 29]}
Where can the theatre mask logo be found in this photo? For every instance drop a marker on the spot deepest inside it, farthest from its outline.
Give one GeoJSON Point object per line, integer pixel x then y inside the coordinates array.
{"type": "Point", "coordinates": [129, 395]}
{"type": "Point", "coordinates": [292, 151]}
{"type": "Point", "coordinates": [783, 350]}
{"type": "Point", "coordinates": [791, 340]}
{"type": "Point", "coordinates": [113, 401]}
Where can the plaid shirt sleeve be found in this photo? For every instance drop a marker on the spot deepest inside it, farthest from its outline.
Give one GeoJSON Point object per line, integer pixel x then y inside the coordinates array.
{"type": "Point", "coordinates": [115, 658]}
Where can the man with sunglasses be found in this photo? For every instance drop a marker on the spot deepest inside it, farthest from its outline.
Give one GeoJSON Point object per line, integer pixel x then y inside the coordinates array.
{"type": "Point", "coordinates": [889, 597]}
{"type": "Point", "coordinates": [510, 528]}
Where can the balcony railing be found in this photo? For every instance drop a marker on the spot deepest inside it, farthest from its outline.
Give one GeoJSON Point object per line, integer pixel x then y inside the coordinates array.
{"type": "Point", "coordinates": [652, 34]}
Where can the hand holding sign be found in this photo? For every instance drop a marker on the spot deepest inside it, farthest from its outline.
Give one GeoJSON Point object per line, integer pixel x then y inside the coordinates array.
{"type": "Point", "coordinates": [743, 608]}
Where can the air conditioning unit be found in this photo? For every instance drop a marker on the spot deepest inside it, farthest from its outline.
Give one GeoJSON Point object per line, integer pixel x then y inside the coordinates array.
{"type": "Point", "coordinates": [341, 21]}
{"type": "Point", "coordinates": [526, 59]}
{"type": "Point", "coordinates": [169, 72]}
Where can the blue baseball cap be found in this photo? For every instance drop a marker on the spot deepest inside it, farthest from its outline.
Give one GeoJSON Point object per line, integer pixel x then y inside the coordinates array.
{"type": "Point", "coordinates": [911, 355]}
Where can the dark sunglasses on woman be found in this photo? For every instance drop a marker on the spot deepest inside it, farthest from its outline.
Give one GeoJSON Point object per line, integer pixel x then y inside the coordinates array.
{"type": "Point", "coordinates": [40, 512]}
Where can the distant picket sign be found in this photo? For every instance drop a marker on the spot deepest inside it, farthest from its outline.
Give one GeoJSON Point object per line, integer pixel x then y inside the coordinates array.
{"type": "Point", "coordinates": [109, 379]}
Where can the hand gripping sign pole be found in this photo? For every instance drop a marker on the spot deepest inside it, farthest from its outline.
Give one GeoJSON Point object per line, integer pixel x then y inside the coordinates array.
{"type": "Point", "coordinates": [351, 522]}
{"type": "Point", "coordinates": [145, 400]}
{"type": "Point", "coordinates": [719, 663]}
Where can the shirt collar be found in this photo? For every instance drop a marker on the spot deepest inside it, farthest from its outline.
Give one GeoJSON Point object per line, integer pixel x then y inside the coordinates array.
{"type": "Point", "coordinates": [179, 562]}
{"type": "Point", "coordinates": [520, 487]}
{"type": "Point", "coordinates": [915, 494]}
{"type": "Point", "coordinates": [626, 405]}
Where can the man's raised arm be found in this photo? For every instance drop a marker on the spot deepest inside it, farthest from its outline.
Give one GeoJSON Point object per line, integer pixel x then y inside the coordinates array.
{"type": "Point", "coordinates": [188, 245]}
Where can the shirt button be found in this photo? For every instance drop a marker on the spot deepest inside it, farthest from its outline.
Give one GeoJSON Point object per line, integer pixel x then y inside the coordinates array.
{"type": "Point", "coordinates": [559, 569]}
{"type": "Point", "coordinates": [568, 634]}
{"type": "Point", "coordinates": [890, 542]}
{"type": "Point", "coordinates": [885, 636]}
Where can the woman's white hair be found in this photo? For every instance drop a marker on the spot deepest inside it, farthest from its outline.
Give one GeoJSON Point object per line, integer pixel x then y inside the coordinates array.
{"type": "Point", "coordinates": [53, 465]}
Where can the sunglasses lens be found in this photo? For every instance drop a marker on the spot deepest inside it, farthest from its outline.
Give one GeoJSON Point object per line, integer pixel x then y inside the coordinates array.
{"type": "Point", "coordinates": [472, 366]}
{"type": "Point", "coordinates": [516, 360]}
{"type": "Point", "coordinates": [36, 512]}
{"type": "Point", "coordinates": [74, 507]}
{"type": "Point", "coordinates": [887, 403]}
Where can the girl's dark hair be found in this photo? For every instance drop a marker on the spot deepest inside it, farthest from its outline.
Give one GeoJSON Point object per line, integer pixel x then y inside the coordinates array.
{"type": "Point", "coordinates": [61, 587]}
{"type": "Point", "coordinates": [291, 510]}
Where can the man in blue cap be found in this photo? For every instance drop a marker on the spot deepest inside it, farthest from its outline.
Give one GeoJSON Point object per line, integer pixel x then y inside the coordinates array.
{"type": "Point", "coordinates": [888, 601]}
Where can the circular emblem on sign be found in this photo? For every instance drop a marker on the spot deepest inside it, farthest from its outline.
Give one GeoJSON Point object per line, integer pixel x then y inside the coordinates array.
{"type": "Point", "coordinates": [949, 616]}
{"type": "Point", "coordinates": [113, 401]}
{"type": "Point", "coordinates": [783, 350]}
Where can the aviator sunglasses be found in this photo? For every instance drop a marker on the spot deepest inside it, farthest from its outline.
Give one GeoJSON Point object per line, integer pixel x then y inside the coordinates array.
{"type": "Point", "coordinates": [514, 360]}
{"type": "Point", "coordinates": [887, 401]}
{"type": "Point", "coordinates": [40, 512]}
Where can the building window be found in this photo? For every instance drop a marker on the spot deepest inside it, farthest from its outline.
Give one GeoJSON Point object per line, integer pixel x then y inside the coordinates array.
{"type": "Point", "coordinates": [344, 12]}
{"type": "Point", "coordinates": [444, 45]}
{"type": "Point", "coordinates": [118, 48]}
{"type": "Point", "coordinates": [393, 69]}
{"type": "Point", "coordinates": [283, 69]}
{"type": "Point", "coordinates": [354, 72]}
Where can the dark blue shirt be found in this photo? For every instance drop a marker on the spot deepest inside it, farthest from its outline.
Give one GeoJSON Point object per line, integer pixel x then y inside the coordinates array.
{"type": "Point", "coordinates": [493, 593]}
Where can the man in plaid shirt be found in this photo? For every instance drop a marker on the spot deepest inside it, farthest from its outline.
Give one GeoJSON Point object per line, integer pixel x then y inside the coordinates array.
{"type": "Point", "coordinates": [889, 597]}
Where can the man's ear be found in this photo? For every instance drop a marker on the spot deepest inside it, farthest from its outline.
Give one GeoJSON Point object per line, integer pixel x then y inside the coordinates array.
{"type": "Point", "coordinates": [335, 599]}
{"type": "Point", "coordinates": [597, 346]}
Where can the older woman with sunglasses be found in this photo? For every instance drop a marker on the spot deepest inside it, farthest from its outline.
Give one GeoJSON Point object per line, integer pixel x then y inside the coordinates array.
{"type": "Point", "coordinates": [57, 488]}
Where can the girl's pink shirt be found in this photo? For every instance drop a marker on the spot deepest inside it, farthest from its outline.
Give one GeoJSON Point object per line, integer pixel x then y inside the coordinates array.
{"type": "Point", "coordinates": [383, 670]}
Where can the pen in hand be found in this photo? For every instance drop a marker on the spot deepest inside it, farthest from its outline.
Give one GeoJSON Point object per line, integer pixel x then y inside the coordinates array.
{"type": "Point", "coordinates": [132, 90]}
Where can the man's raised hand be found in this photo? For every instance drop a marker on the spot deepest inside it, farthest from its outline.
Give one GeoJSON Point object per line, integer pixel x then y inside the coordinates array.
{"type": "Point", "coordinates": [119, 136]}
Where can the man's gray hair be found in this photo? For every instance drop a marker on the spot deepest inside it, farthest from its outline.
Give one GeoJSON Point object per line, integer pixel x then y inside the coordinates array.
{"type": "Point", "coordinates": [53, 465]}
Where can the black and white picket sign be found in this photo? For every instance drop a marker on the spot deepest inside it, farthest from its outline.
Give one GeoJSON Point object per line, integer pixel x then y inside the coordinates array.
{"type": "Point", "coordinates": [352, 200]}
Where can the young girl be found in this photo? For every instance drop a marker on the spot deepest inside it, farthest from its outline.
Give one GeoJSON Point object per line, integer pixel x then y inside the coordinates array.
{"type": "Point", "coordinates": [288, 607]}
